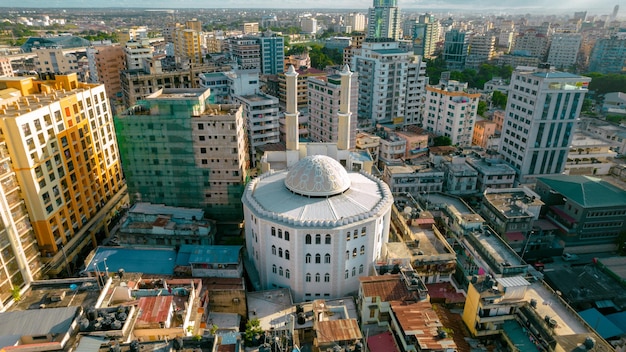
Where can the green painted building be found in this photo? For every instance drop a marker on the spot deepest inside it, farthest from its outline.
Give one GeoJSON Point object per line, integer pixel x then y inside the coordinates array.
{"type": "Point", "coordinates": [587, 210]}
{"type": "Point", "coordinates": [181, 151]}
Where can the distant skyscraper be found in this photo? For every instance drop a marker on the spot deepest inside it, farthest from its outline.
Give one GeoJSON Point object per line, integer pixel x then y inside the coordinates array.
{"type": "Point", "coordinates": [609, 55]}
{"type": "Point", "coordinates": [384, 20]}
{"type": "Point", "coordinates": [246, 52]}
{"type": "Point", "coordinates": [564, 49]}
{"type": "Point", "coordinates": [482, 49]}
{"type": "Point", "coordinates": [309, 25]}
{"type": "Point", "coordinates": [356, 21]}
{"type": "Point", "coordinates": [455, 50]}
{"type": "Point", "coordinates": [615, 11]}
{"type": "Point", "coordinates": [425, 36]}
{"type": "Point", "coordinates": [539, 120]}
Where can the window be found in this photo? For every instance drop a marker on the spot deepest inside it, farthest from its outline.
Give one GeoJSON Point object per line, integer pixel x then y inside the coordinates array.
{"type": "Point", "coordinates": [317, 277]}
{"type": "Point", "coordinates": [362, 250]}
{"type": "Point", "coordinates": [287, 273]}
{"type": "Point", "coordinates": [273, 231]}
{"type": "Point", "coordinates": [347, 274]}
{"type": "Point", "coordinates": [354, 253]}
{"type": "Point", "coordinates": [327, 239]}
{"type": "Point", "coordinates": [327, 277]}
{"type": "Point", "coordinates": [307, 258]}
{"type": "Point", "coordinates": [353, 271]}
{"type": "Point", "coordinates": [280, 252]}
{"type": "Point", "coordinates": [274, 268]}
{"type": "Point", "coordinates": [307, 278]}
{"type": "Point", "coordinates": [318, 239]}
{"type": "Point", "coordinates": [273, 250]}
{"type": "Point", "coordinates": [327, 258]}
{"type": "Point", "coordinates": [280, 270]}
{"type": "Point", "coordinates": [287, 254]}
{"type": "Point", "coordinates": [361, 269]}
{"type": "Point", "coordinates": [307, 239]}
{"type": "Point", "coordinates": [286, 235]}
{"type": "Point", "coordinates": [347, 255]}
{"type": "Point", "coordinates": [356, 234]}
{"type": "Point", "coordinates": [363, 231]}
{"type": "Point", "coordinates": [348, 236]}
{"type": "Point", "coordinates": [280, 233]}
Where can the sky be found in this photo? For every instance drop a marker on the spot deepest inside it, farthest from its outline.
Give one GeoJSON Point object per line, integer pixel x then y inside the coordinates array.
{"type": "Point", "coordinates": [593, 6]}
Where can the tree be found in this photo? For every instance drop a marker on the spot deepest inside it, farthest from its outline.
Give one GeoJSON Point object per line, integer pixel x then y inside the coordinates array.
{"type": "Point", "coordinates": [253, 328]}
{"type": "Point", "coordinates": [499, 99]}
{"type": "Point", "coordinates": [482, 107]}
{"type": "Point", "coordinates": [441, 141]}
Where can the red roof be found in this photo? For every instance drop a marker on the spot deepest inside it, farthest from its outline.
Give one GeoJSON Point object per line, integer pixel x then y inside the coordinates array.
{"type": "Point", "coordinates": [514, 236]}
{"type": "Point", "coordinates": [382, 343]}
{"type": "Point", "coordinates": [154, 309]}
{"type": "Point", "coordinates": [444, 291]}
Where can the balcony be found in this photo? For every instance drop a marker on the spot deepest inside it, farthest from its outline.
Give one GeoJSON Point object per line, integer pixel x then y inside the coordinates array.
{"type": "Point", "coordinates": [495, 319]}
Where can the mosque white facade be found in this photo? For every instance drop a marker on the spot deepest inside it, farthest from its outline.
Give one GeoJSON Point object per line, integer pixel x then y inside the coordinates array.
{"type": "Point", "coordinates": [311, 225]}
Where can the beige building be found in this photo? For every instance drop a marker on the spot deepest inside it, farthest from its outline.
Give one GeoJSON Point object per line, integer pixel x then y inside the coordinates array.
{"type": "Point", "coordinates": [188, 46]}
{"type": "Point", "coordinates": [109, 61]}
{"type": "Point", "coordinates": [250, 27]}
{"type": "Point", "coordinates": [55, 61]}
{"type": "Point", "coordinates": [64, 152]}
{"type": "Point", "coordinates": [5, 67]}
{"type": "Point", "coordinates": [483, 130]}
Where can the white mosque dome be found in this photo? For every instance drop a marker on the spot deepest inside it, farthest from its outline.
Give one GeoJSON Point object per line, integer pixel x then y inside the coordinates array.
{"type": "Point", "coordinates": [317, 176]}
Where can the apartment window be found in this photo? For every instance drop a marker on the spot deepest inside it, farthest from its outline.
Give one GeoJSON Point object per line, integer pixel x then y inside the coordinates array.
{"type": "Point", "coordinates": [318, 239]}
{"type": "Point", "coordinates": [286, 235]}
{"type": "Point", "coordinates": [287, 273]}
{"type": "Point", "coordinates": [361, 269]}
{"type": "Point", "coordinates": [273, 250]}
{"type": "Point", "coordinates": [287, 254]}
{"type": "Point", "coordinates": [307, 239]}
{"type": "Point", "coordinates": [280, 252]}
{"type": "Point", "coordinates": [307, 258]}
{"type": "Point", "coordinates": [273, 231]}
{"type": "Point", "coordinates": [327, 258]}
{"type": "Point", "coordinates": [362, 250]}
{"type": "Point", "coordinates": [274, 268]}
{"type": "Point", "coordinates": [317, 277]}
{"type": "Point", "coordinates": [347, 274]}
{"type": "Point", "coordinates": [307, 278]}
{"type": "Point", "coordinates": [318, 258]}
{"type": "Point", "coordinates": [280, 271]}
{"type": "Point", "coordinates": [327, 239]}
{"type": "Point", "coordinates": [327, 277]}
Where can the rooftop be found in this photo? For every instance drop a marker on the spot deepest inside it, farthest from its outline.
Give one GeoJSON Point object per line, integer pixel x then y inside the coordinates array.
{"type": "Point", "coordinates": [316, 176]}
{"type": "Point", "coordinates": [420, 321]}
{"type": "Point", "coordinates": [55, 321]}
{"type": "Point", "coordinates": [213, 254]}
{"type": "Point", "coordinates": [387, 287]}
{"type": "Point", "coordinates": [513, 202]}
{"type": "Point", "coordinates": [329, 331]}
{"type": "Point", "coordinates": [587, 191]}
{"type": "Point", "coordinates": [59, 293]}
{"type": "Point", "coordinates": [157, 261]}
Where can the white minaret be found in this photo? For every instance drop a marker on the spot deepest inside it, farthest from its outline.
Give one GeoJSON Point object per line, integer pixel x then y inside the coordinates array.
{"type": "Point", "coordinates": [343, 140]}
{"type": "Point", "coordinates": [291, 114]}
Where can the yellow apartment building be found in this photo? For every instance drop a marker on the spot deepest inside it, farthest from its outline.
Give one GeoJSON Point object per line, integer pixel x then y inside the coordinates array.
{"type": "Point", "coordinates": [60, 136]}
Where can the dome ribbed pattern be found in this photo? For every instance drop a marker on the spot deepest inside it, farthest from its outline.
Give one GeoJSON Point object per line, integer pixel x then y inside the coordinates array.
{"type": "Point", "coordinates": [317, 176]}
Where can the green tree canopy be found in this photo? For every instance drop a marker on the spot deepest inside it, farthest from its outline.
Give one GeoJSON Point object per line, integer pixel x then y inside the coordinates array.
{"type": "Point", "coordinates": [441, 141]}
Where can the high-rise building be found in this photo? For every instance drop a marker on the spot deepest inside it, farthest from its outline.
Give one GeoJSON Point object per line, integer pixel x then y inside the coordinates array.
{"type": "Point", "coordinates": [63, 147]}
{"type": "Point", "coordinates": [261, 115]}
{"type": "Point", "coordinates": [272, 53]}
{"type": "Point", "coordinates": [356, 42]}
{"type": "Point", "coordinates": [391, 83]}
{"type": "Point", "coordinates": [188, 46]}
{"type": "Point", "coordinates": [609, 55]}
{"type": "Point", "coordinates": [539, 120]}
{"type": "Point", "coordinates": [451, 111]}
{"type": "Point", "coordinates": [180, 151]}
{"type": "Point", "coordinates": [20, 255]}
{"type": "Point", "coordinates": [455, 49]}
{"type": "Point", "coordinates": [533, 43]}
{"type": "Point", "coordinates": [194, 24]}
{"type": "Point", "coordinates": [384, 20]}
{"type": "Point", "coordinates": [136, 53]}
{"type": "Point", "coordinates": [105, 64]}
{"type": "Point", "coordinates": [481, 49]}
{"type": "Point", "coordinates": [324, 101]}
{"type": "Point", "coordinates": [246, 52]}
{"type": "Point", "coordinates": [55, 60]}
{"type": "Point", "coordinates": [425, 35]}
{"type": "Point", "coordinates": [564, 49]}
{"type": "Point", "coordinates": [356, 21]}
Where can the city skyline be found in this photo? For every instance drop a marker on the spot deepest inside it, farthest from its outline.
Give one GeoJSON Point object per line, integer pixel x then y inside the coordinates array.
{"type": "Point", "coordinates": [600, 7]}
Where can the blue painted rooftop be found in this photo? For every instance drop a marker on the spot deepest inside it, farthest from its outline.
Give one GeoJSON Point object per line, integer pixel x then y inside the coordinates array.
{"type": "Point", "coordinates": [157, 261]}
{"type": "Point", "coordinates": [605, 327]}
{"type": "Point", "coordinates": [208, 254]}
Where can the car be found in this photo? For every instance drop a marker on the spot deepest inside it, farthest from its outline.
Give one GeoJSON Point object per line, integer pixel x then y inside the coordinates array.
{"type": "Point", "coordinates": [569, 257]}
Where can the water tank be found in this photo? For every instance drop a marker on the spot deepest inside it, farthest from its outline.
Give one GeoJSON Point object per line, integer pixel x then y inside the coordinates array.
{"type": "Point", "coordinates": [533, 303]}
{"type": "Point", "coordinates": [134, 346]}
{"type": "Point", "coordinates": [301, 318]}
{"type": "Point", "coordinates": [589, 342]}
{"type": "Point", "coordinates": [92, 314]}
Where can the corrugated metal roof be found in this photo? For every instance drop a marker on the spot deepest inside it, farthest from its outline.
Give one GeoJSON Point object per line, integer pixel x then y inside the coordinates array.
{"type": "Point", "coordinates": [329, 331]}
{"type": "Point", "coordinates": [90, 343]}
{"type": "Point", "coordinates": [154, 309]}
{"type": "Point", "coordinates": [515, 281]}
{"type": "Point", "coordinates": [37, 321]}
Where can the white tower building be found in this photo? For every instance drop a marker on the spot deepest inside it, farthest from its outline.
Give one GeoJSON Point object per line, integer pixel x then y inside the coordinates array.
{"type": "Point", "coordinates": [539, 120]}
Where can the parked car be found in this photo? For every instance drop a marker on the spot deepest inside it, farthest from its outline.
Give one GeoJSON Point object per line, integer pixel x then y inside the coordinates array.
{"type": "Point", "coordinates": [569, 257]}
